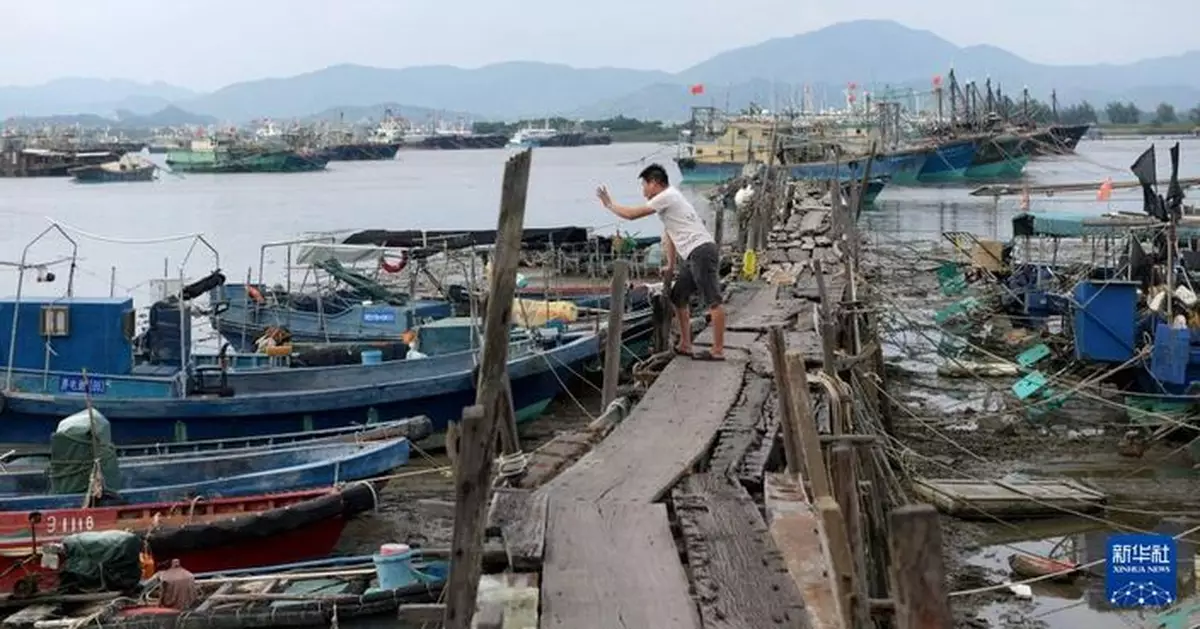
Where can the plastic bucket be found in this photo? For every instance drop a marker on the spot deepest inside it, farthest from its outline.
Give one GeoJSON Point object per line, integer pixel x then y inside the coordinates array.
{"type": "Point", "coordinates": [395, 570]}
{"type": "Point", "coordinates": [372, 356]}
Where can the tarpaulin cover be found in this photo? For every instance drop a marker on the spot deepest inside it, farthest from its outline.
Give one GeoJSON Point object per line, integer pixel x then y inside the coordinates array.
{"type": "Point", "coordinates": [77, 444]}
{"type": "Point", "coordinates": [101, 560]}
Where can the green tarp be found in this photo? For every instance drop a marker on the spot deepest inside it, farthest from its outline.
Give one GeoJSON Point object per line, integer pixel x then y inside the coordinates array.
{"type": "Point", "coordinates": [80, 442]}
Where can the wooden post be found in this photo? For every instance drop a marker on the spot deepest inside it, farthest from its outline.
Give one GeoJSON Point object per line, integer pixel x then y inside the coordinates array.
{"type": "Point", "coordinates": [845, 488]}
{"type": "Point", "coordinates": [790, 420]}
{"type": "Point", "coordinates": [918, 576]}
{"type": "Point", "coordinates": [806, 427]}
{"type": "Point", "coordinates": [612, 345]}
{"type": "Point", "coordinates": [668, 314]}
{"type": "Point", "coordinates": [834, 527]}
{"type": "Point", "coordinates": [828, 330]}
{"type": "Point", "coordinates": [473, 474]}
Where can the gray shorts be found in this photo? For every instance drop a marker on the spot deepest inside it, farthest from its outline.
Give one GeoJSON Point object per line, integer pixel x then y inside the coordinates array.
{"type": "Point", "coordinates": [699, 275]}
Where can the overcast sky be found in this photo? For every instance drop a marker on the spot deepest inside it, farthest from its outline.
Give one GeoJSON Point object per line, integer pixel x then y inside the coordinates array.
{"type": "Point", "coordinates": [204, 44]}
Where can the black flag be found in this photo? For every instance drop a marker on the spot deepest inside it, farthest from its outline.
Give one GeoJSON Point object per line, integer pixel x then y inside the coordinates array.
{"type": "Point", "coordinates": [1174, 190]}
{"type": "Point", "coordinates": [1146, 171]}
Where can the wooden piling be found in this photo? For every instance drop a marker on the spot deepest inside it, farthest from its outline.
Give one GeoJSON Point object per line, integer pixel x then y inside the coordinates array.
{"type": "Point", "coordinates": [790, 420]}
{"type": "Point", "coordinates": [663, 314]}
{"type": "Point", "coordinates": [918, 576]}
{"type": "Point", "coordinates": [474, 471]}
{"type": "Point", "coordinates": [845, 489]}
{"type": "Point", "coordinates": [828, 329]}
{"type": "Point", "coordinates": [616, 318]}
{"type": "Point", "coordinates": [806, 427]}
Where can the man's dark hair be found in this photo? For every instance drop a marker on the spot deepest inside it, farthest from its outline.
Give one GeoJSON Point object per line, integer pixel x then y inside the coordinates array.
{"type": "Point", "coordinates": [655, 173]}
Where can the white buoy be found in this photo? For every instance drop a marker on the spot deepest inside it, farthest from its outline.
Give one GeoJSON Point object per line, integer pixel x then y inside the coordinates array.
{"type": "Point", "coordinates": [742, 197]}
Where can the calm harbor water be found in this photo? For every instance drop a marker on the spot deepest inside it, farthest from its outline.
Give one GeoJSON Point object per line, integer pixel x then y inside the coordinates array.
{"type": "Point", "coordinates": [120, 225]}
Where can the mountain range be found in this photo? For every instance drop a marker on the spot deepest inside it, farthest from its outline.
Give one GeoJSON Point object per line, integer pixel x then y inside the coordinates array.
{"type": "Point", "coordinates": [874, 53]}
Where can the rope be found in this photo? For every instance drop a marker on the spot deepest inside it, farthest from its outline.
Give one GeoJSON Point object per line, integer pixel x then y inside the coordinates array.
{"type": "Point", "coordinates": [512, 465]}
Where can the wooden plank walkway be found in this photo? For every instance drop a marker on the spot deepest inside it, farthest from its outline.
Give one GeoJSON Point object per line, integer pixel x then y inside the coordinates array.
{"type": "Point", "coordinates": [613, 565]}
{"type": "Point", "coordinates": [670, 429]}
{"type": "Point", "coordinates": [610, 559]}
{"type": "Point", "coordinates": [739, 576]}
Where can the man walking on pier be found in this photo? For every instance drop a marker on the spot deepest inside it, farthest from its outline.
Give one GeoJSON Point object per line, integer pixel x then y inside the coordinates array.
{"type": "Point", "coordinates": [686, 237]}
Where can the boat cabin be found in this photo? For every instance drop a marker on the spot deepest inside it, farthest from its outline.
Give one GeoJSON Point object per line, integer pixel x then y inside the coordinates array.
{"type": "Point", "coordinates": [68, 336]}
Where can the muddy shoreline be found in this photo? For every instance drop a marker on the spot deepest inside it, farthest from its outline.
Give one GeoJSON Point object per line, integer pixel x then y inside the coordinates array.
{"type": "Point", "coordinates": [974, 428]}
{"type": "Point", "coordinates": [418, 507]}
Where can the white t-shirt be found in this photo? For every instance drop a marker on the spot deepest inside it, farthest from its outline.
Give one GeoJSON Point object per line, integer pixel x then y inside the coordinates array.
{"type": "Point", "coordinates": [683, 225]}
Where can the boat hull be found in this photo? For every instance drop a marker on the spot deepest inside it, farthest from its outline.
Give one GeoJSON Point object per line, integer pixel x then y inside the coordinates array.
{"type": "Point", "coordinates": [452, 142]}
{"type": "Point", "coordinates": [210, 535]}
{"type": "Point", "coordinates": [999, 158]}
{"type": "Point", "coordinates": [948, 162]}
{"type": "Point", "coordinates": [289, 400]}
{"type": "Point", "coordinates": [884, 166]}
{"type": "Point", "coordinates": [208, 162]}
{"type": "Point", "coordinates": [369, 461]}
{"type": "Point", "coordinates": [362, 152]}
{"type": "Point", "coordinates": [97, 174]}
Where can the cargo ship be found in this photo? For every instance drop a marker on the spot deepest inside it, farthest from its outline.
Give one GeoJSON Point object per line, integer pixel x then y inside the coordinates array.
{"type": "Point", "coordinates": [223, 157]}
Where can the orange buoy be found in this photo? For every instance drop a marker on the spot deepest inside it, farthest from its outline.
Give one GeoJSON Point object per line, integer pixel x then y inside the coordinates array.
{"type": "Point", "coordinates": [255, 295]}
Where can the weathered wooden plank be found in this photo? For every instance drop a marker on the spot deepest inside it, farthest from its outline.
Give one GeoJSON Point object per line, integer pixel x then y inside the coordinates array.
{"type": "Point", "coordinates": [739, 576]}
{"type": "Point", "coordinates": [987, 499]}
{"type": "Point", "coordinates": [664, 436]}
{"type": "Point", "coordinates": [520, 514]}
{"type": "Point", "coordinates": [546, 462]}
{"type": "Point", "coordinates": [806, 286]}
{"type": "Point", "coordinates": [767, 447]}
{"type": "Point", "coordinates": [733, 340]}
{"type": "Point", "coordinates": [796, 530]}
{"type": "Point", "coordinates": [739, 431]}
{"type": "Point", "coordinates": [763, 310]}
{"type": "Point", "coordinates": [613, 565]}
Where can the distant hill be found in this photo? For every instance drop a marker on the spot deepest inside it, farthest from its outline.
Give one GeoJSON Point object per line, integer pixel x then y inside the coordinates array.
{"type": "Point", "coordinates": [518, 89]}
{"type": "Point", "coordinates": [872, 53]}
{"type": "Point", "coordinates": [93, 96]}
{"type": "Point", "coordinates": [169, 116]}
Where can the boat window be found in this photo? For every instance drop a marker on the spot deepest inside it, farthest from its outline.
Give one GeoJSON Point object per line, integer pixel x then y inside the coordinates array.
{"type": "Point", "coordinates": [54, 321]}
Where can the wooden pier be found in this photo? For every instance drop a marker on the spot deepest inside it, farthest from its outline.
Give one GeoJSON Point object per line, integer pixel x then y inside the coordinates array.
{"type": "Point", "coordinates": [653, 518]}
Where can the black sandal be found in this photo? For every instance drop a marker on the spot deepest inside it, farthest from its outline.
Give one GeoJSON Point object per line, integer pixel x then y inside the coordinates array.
{"type": "Point", "coordinates": [705, 354]}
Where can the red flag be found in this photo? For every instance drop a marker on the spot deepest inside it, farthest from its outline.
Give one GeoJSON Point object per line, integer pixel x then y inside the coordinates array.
{"type": "Point", "coordinates": [697, 89]}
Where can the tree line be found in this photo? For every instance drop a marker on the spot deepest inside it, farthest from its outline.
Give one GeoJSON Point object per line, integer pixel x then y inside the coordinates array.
{"type": "Point", "coordinates": [1115, 112]}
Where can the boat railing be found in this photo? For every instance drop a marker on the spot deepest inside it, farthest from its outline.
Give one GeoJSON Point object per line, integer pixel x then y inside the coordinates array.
{"type": "Point", "coordinates": [23, 266]}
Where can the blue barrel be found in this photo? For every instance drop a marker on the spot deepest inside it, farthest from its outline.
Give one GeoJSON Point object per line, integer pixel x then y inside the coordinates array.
{"type": "Point", "coordinates": [396, 570]}
{"type": "Point", "coordinates": [372, 356]}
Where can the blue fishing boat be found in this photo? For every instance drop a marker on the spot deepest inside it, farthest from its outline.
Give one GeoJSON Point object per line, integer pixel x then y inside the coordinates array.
{"type": "Point", "coordinates": [336, 302]}
{"type": "Point", "coordinates": [165, 395]}
{"type": "Point", "coordinates": [300, 467]}
{"type": "Point", "coordinates": [948, 161]}
{"type": "Point", "coordinates": [413, 429]}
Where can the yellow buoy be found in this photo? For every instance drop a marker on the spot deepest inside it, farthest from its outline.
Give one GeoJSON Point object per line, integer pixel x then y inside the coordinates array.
{"type": "Point", "coordinates": [750, 264]}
